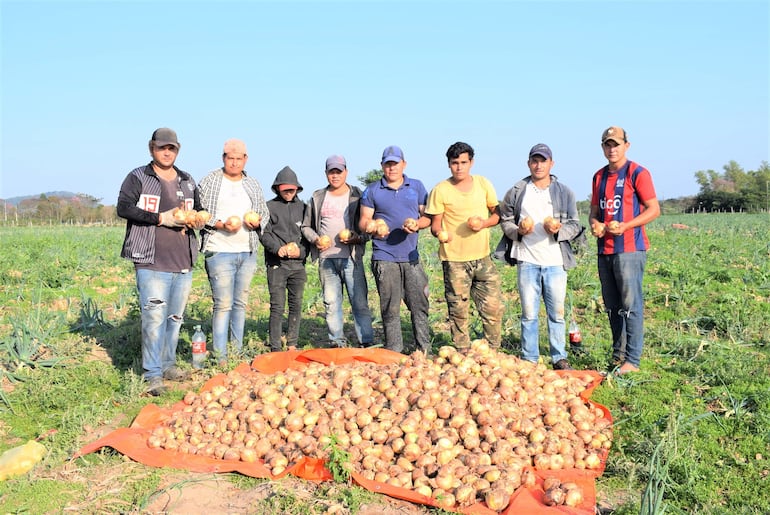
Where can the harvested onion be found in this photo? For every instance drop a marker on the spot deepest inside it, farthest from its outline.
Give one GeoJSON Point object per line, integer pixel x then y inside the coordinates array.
{"type": "Point", "coordinates": [465, 427]}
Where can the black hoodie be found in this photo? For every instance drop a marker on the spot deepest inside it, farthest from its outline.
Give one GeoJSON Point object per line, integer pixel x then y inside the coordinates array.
{"type": "Point", "coordinates": [285, 221]}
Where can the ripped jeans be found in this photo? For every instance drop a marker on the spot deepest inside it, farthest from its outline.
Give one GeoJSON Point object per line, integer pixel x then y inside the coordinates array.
{"type": "Point", "coordinates": [162, 300]}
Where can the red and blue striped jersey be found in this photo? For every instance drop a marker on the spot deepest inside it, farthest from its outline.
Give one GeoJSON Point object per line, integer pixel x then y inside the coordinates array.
{"type": "Point", "coordinates": [620, 196]}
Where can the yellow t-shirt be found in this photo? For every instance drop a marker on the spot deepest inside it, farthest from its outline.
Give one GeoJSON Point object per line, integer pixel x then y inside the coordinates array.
{"type": "Point", "coordinates": [457, 206]}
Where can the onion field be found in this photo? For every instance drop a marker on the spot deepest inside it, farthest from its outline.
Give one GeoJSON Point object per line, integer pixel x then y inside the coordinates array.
{"type": "Point", "coordinates": [691, 430]}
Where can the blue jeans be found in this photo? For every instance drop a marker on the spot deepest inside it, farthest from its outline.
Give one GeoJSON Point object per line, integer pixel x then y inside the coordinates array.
{"type": "Point", "coordinates": [621, 278]}
{"type": "Point", "coordinates": [162, 299]}
{"type": "Point", "coordinates": [550, 283]}
{"type": "Point", "coordinates": [407, 281]}
{"type": "Point", "coordinates": [333, 273]}
{"type": "Point", "coordinates": [230, 275]}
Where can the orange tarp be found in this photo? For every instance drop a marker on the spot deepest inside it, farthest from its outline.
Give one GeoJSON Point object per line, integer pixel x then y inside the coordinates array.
{"type": "Point", "coordinates": [132, 441]}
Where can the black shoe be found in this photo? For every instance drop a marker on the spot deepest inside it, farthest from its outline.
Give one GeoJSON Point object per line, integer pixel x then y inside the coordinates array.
{"type": "Point", "coordinates": [562, 364]}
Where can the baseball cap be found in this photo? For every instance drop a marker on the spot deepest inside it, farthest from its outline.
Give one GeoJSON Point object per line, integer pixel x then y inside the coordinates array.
{"type": "Point", "coordinates": [541, 149]}
{"type": "Point", "coordinates": [164, 136]}
{"type": "Point", "coordinates": [336, 162]}
{"type": "Point", "coordinates": [234, 146]}
{"type": "Point", "coordinates": [392, 153]}
{"type": "Point", "coordinates": [616, 134]}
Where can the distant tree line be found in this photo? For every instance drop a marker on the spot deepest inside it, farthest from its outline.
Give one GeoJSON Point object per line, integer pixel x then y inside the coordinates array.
{"type": "Point", "coordinates": [734, 189]}
{"type": "Point", "coordinates": [80, 209]}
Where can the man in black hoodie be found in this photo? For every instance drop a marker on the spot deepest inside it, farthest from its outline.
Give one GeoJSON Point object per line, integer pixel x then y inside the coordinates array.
{"type": "Point", "coordinates": [285, 254]}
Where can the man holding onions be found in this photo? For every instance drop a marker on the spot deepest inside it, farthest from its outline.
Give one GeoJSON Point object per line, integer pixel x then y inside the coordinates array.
{"type": "Point", "coordinates": [463, 208]}
{"type": "Point", "coordinates": [163, 248]}
{"type": "Point", "coordinates": [539, 218]}
{"type": "Point", "coordinates": [398, 201]}
{"type": "Point", "coordinates": [623, 201]}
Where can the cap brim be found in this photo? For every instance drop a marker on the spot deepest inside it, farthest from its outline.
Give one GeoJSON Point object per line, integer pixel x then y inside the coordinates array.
{"type": "Point", "coordinates": [619, 141]}
{"type": "Point", "coordinates": [540, 154]}
{"type": "Point", "coordinates": [164, 143]}
{"type": "Point", "coordinates": [395, 159]}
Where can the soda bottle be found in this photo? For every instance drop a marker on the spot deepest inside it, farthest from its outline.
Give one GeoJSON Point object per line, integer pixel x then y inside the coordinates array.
{"type": "Point", "coordinates": [198, 348]}
{"type": "Point", "coordinates": [575, 338]}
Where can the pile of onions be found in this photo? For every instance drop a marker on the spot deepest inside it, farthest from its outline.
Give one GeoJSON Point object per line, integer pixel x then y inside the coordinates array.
{"type": "Point", "coordinates": [462, 428]}
{"type": "Point", "coordinates": [557, 493]}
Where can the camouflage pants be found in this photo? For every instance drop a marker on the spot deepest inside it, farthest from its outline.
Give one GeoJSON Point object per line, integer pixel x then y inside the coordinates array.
{"type": "Point", "coordinates": [478, 280]}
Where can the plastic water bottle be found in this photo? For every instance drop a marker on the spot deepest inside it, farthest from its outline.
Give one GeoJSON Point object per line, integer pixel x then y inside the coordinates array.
{"type": "Point", "coordinates": [575, 338]}
{"type": "Point", "coordinates": [198, 348]}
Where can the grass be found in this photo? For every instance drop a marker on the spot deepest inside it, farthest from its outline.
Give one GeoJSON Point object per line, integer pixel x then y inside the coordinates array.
{"type": "Point", "coordinates": [339, 460]}
{"type": "Point", "coordinates": [692, 429]}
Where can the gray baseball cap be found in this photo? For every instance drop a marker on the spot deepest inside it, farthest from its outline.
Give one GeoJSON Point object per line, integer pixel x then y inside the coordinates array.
{"type": "Point", "coordinates": [336, 163]}
{"type": "Point", "coordinates": [165, 136]}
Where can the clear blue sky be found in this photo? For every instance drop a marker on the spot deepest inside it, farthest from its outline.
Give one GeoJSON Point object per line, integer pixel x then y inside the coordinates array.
{"type": "Point", "coordinates": [84, 84]}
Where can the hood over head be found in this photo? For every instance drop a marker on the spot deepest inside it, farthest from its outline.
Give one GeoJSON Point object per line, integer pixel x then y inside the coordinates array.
{"type": "Point", "coordinates": [286, 176]}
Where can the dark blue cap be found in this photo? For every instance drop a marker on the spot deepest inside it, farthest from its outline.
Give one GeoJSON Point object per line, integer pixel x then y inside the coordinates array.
{"type": "Point", "coordinates": [541, 149]}
{"type": "Point", "coordinates": [392, 153]}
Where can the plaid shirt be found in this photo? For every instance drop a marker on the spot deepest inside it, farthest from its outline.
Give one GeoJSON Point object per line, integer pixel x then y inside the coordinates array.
{"type": "Point", "coordinates": [209, 192]}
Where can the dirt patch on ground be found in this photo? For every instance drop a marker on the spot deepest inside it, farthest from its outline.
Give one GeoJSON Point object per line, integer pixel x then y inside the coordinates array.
{"type": "Point", "coordinates": [95, 433]}
{"type": "Point", "coordinates": [205, 494]}
{"type": "Point", "coordinates": [181, 492]}
{"type": "Point", "coordinates": [98, 353]}
{"type": "Point", "coordinates": [186, 493]}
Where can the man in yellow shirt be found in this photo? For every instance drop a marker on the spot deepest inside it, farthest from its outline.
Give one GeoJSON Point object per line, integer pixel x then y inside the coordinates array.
{"type": "Point", "coordinates": [463, 208]}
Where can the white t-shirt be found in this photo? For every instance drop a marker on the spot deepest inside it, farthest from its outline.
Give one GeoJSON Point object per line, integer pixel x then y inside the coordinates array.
{"type": "Point", "coordinates": [538, 247]}
{"type": "Point", "coordinates": [233, 200]}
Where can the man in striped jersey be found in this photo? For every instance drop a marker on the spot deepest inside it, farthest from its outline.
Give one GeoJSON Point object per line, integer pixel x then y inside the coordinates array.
{"type": "Point", "coordinates": [623, 201]}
